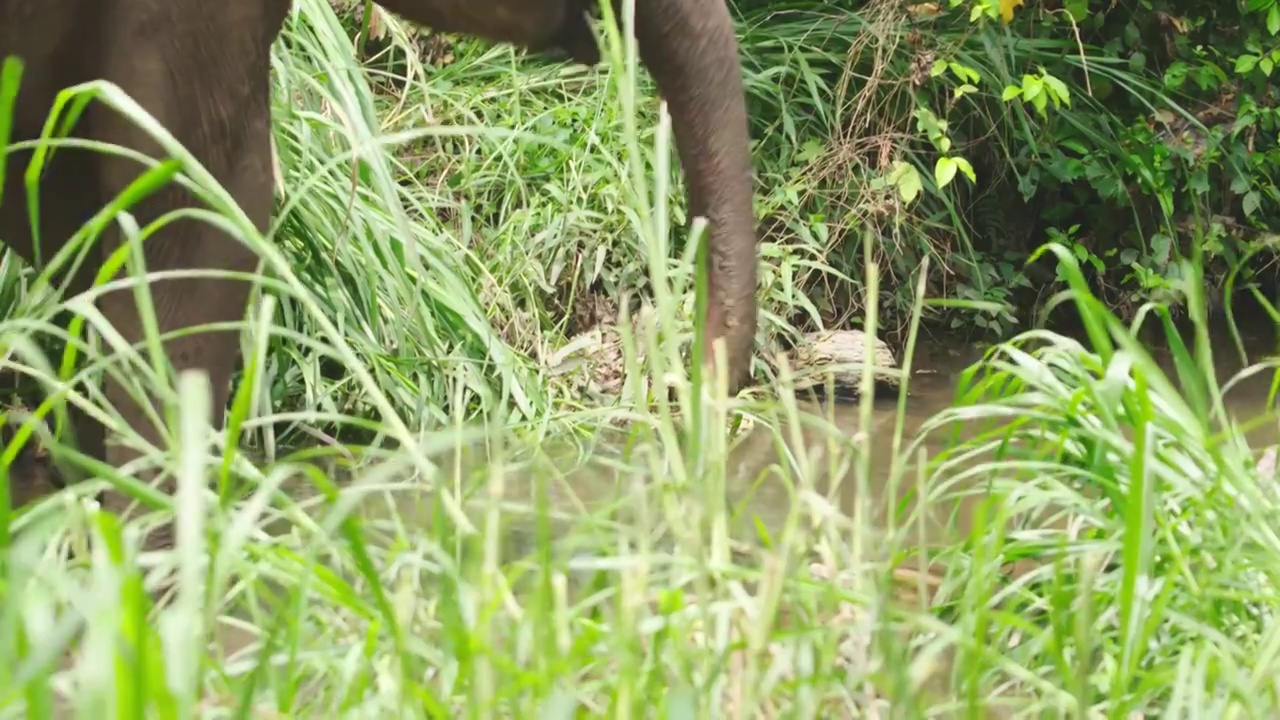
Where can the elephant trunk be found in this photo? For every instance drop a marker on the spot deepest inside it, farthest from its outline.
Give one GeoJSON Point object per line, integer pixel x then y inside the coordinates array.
{"type": "Point", "coordinates": [690, 48]}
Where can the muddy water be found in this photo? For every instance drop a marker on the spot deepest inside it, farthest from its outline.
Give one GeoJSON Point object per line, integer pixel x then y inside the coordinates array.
{"type": "Point", "coordinates": [767, 497]}
{"type": "Point", "coordinates": [757, 492]}
{"type": "Point", "coordinates": [932, 390]}
{"type": "Point", "coordinates": [591, 505]}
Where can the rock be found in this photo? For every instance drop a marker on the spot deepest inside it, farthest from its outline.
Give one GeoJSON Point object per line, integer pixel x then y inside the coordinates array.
{"type": "Point", "coordinates": [593, 363]}
{"type": "Point", "coordinates": [841, 353]}
{"type": "Point", "coordinates": [1267, 464]}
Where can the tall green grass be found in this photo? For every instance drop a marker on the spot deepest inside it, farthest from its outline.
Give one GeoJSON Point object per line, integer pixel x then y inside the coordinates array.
{"type": "Point", "coordinates": [1094, 542]}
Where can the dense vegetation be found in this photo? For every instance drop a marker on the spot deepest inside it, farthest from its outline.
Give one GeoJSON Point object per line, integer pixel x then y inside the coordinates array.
{"type": "Point", "coordinates": [446, 509]}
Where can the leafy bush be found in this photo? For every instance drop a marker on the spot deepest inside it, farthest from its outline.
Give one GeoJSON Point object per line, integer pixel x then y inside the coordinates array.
{"type": "Point", "coordinates": [973, 131]}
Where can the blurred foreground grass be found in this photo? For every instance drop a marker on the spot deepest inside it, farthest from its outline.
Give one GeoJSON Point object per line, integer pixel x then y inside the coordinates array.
{"type": "Point", "coordinates": [428, 523]}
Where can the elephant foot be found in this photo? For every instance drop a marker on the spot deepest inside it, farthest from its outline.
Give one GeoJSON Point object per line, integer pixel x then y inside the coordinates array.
{"type": "Point", "coordinates": [33, 475]}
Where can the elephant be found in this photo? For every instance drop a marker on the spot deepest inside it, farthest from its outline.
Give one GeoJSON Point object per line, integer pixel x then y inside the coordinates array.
{"type": "Point", "coordinates": [202, 69]}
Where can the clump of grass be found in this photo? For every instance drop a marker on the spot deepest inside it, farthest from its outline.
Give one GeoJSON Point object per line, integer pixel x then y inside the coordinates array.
{"type": "Point", "coordinates": [1131, 515]}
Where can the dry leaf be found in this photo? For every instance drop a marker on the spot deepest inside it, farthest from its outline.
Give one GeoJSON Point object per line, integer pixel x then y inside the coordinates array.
{"type": "Point", "coordinates": [377, 28]}
{"type": "Point", "coordinates": [924, 10]}
{"type": "Point", "coordinates": [1006, 9]}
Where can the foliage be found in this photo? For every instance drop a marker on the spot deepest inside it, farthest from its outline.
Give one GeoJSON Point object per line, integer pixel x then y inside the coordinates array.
{"type": "Point", "coordinates": [1137, 133]}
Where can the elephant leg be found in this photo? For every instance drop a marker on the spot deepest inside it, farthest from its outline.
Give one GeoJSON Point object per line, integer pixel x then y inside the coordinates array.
{"type": "Point", "coordinates": [65, 201]}
{"type": "Point", "coordinates": [203, 71]}
{"type": "Point", "coordinates": [67, 197]}
{"type": "Point", "coordinates": [690, 48]}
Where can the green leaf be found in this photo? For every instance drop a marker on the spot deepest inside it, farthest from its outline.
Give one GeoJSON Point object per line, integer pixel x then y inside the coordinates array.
{"type": "Point", "coordinates": [967, 169]}
{"type": "Point", "coordinates": [1273, 20]}
{"type": "Point", "coordinates": [944, 171]}
{"type": "Point", "coordinates": [10, 77]}
{"type": "Point", "coordinates": [1252, 201]}
{"type": "Point", "coordinates": [1245, 64]}
{"type": "Point", "coordinates": [909, 185]}
{"type": "Point", "coordinates": [1032, 87]}
{"type": "Point", "coordinates": [1059, 89]}
{"type": "Point", "coordinates": [810, 151]}
{"type": "Point", "coordinates": [1132, 35]}
{"type": "Point", "coordinates": [1010, 92]}
{"type": "Point", "coordinates": [1162, 248]}
{"type": "Point", "coordinates": [1175, 75]}
{"type": "Point", "coordinates": [965, 73]}
{"type": "Point", "coordinates": [1198, 182]}
{"type": "Point", "coordinates": [1041, 103]}
{"type": "Point", "coordinates": [907, 179]}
